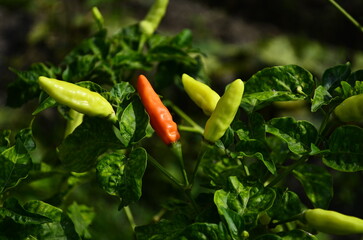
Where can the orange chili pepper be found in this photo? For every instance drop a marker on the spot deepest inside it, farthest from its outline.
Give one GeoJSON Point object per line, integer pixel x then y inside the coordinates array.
{"type": "Point", "coordinates": [160, 117]}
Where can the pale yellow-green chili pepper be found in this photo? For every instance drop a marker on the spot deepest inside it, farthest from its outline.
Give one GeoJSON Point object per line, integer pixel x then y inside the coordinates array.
{"type": "Point", "coordinates": [351, 109]}
{"type": "Point", "coordinates": [201, 94]}
{"type": "Point", "coordinates": [152, 20]}
{"type": "Point", "coordinates": [75, 120]}
{"type": "Point", "coordinates": [333, 222]}
{"type": "Point", "coordinates": [78, 98]}
{"type": "Point", "coordinates": [224, 112]}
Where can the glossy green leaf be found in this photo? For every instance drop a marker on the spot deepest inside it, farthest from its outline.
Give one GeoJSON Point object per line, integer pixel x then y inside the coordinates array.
{"type": "Point", "coordinates": [12, 209]}
{"type": "Point", "coordinates": [121, 92]}
{"type": "Point", "coordinates": [355, 76]}
{"type": "Point", "coordinates": [79, 151]}
{"type": "Point", "coordinates": [80, 68]}
{"type": "Point", "coordinates": [297, 134]}
{"type": "Point", "coordinates": [121, 175]}
{"type": "Point", "coordinates": [202, 231]}
{"type": "Point", "coordinates": [26, 87]}
{"type": "Point", "coordinates": [286, 205]}
{"type": "Point", "coordinates": [346, 149]}
{"type": "Point", "coordinates": [82, 217]}
{"type": "Point", "coordinates": [321, 97]}
{"type": "Point", "coordinates": [133, 123]}
{"type": "Point", "coordinates": [281, 83]}
{"type": "Point", "coordinates": [15, 162]}
{"type": "Point", "coordinates": [297, 235]}
{"type": "Point", "coordinates": [317, 183]}
{"type": "Point", "coordinates": [258, 149]}
{"type": "Point", "coordinates": [4, 139]}
{"type": "Point", "coordinates": [239, 205]}
{"type": "Point", "coordinates": [163, 230]}
{"type": "Point", "coordinates": [334, 75]}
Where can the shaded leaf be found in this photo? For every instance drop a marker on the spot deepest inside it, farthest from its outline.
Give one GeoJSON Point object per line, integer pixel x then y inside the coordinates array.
{"type": "Point", "coordinates": [346, 149]}
{"type": "Point", "coordinates": [299, 135]}
{"type": "Point", "coordinates": [317, 183]}
{"type": "Point", "coordinates": [121, 175]}
{"type": "Point", "coordinates": [79, 151]}
{"type": "Point", "coordinates": [334, 75]}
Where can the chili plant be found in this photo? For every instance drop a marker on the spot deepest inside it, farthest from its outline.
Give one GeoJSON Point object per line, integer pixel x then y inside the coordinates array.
{"type": "Point", "coordinates": [231, 178]}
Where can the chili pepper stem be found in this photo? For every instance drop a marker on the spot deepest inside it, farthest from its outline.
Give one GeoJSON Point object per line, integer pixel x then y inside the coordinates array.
{"type": "Point", "coordinates": [130, 217]}
{"type": "Point", "coordinates": [183, 115]}
{"type": "Point", "coordinates": [205, 146]}
{"type": "Point", "coordinates": [289, 169]}
{"type": "Point", "coordinates": [346, 14]}
{"type": "Point", "coordinates": [164, 171]}
{"type": "Point", "coordinates": [177, 150]}
{"type": "Point", "coordinates": [299, 216]}
{"type": "Point", "coordinates": [190, 129]}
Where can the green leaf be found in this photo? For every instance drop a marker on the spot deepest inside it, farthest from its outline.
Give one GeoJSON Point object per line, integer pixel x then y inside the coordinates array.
{"type": "Point", "coordinates": [257, 126]}
{"type": "Point", "coordinates": [297, 134]}
{"type": "Point", "coordinates": [281, 83]}
{"type": "Point", "coordinates": [321, 97]}
{"type": "Point", "coordinates": [133, 123]}
{"type": "Point", "coordinates": [12, 209]}
{"type": "Point", "coordinates": [15, 162]}
{"type": "Point", "coordinates": [49, 102]}
{"type": "Point", "coordinates": [345, 144]}
{"type": "Point", "coordinates": [202, 231]}
{"type": "Point", "coordinates": [26, 87]}
{"type": "Point", "coordinates": [286, 205]}
{"type": "Point", "coordinates": [79, 151]}
{"type": "Point", "coordinates": [121, 92]}
{"type": "Point", "coordinates": [333, 76]}
{"type": "Point", "coordinates": [355, 76]}
{"type": "Point", "coordinates": [80, 68]}
{"type": "Point", "coordinates": [317, 183]}
{"type": "Point", "coordinates": [121, 175]}
{"type": "Point", "coordinates": [258, 149]}
{"type": "Point", "coordinates": [162, 230]}
{"type": "Point", "coordinates": [269, 237]}
{"type": "Point", "coordinates": [4, 139]}
{"type": "Point", "coordinates": [297, 234]}
{"type": "Point", "coordinates": [82, 217]}
{"type": "Point", "coordinates": [239, 205]}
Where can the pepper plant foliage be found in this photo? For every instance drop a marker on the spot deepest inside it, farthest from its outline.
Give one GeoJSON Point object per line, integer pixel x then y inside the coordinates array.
{"type": "Point", "coordinates": [236, 187]}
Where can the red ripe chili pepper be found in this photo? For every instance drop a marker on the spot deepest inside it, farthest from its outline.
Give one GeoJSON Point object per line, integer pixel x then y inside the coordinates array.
{"type": "Point", "coordinates": [160, 117]}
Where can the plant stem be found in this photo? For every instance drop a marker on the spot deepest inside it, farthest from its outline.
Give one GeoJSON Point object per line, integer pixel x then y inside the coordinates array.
{"type": "Point", "coordinates": [130, 217]}
{"type": "Point", "coordinates": [183, 115]}
{"type": "Point", "coordinates": [346, 14]}
{"type": "Point", "coordinates": [164, 171]}
{"type": "Point", "coordinates": [205, 146]}
{"type": "Point", "coordinates": [177, 150]}
{"type": "Point", "coordinates": [190, 129]}
{"type": "Point", "coordinates": [289, 169]}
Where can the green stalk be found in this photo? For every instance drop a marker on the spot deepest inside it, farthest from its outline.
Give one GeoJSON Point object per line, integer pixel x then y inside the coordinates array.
{"type": "Point", "coordinates": [289, 169]}
{"type": "Point", "coordinates": [164, 171]}
{"type": "Point", "coordinates": [130, 217]}
{"type": "Point", "coordinates": [177, 150]}
{"type": "Point", "coordinates": [190, 129]}
{"type": "Point", "coordinates": [205, 146]}
{"type": "Point", "coordinates": [347, 15]}
{"type": "Point", "coordinates": [183, 115]}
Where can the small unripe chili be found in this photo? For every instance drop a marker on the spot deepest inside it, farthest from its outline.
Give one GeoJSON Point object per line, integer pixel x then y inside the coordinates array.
{"type": "Point", "coordinates": [160, 117]}
{"type": "Point", "coordinates": [333, 222]}
{"type": "Point", "coordinates": [201, 94]}
{"type": "Point", "coordinates": [224, 112]}
{"type": "Point", "coordinates": [78, 98]}
{"type": "Point", "coordinates": [152, 20]}
{"type": "Point", "coordinates": [351, 109]}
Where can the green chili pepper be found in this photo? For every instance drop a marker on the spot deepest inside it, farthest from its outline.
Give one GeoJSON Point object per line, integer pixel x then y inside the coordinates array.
{"type": "Point", "coordinates": [333, 222]}
{"type": "Point", "coordinates": [224, 112]}
{"type": "Point", "coordinates": [351, 109]}
{"type": "Point", "coordinates": [75, 120]}
{"type": "Point", "coordinates": [78, 98]}
{"type": "Point", "coordinates": [152, 20]}
{"type": "Point", "coordinates": [201, 94]}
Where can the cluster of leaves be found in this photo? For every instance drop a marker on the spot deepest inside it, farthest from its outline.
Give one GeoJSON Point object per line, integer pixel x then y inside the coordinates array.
{"type": "Point", "coordinates": [242, 196]}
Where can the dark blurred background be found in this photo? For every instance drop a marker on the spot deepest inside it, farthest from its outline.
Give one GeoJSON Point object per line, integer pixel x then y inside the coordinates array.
{"type": "Point", "coordinates": [239, 38]}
